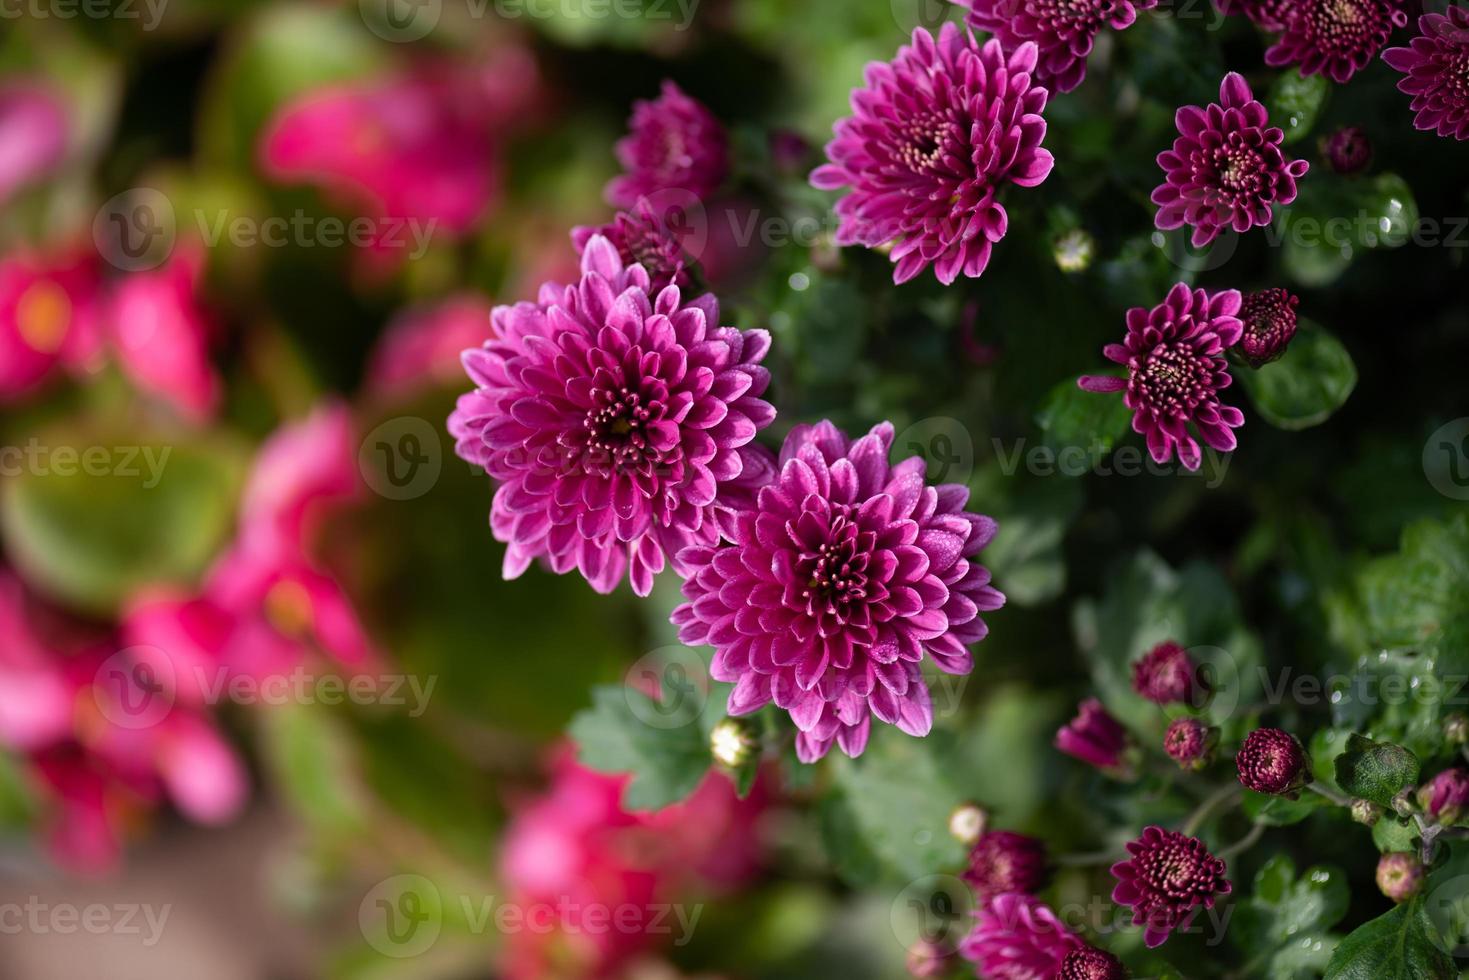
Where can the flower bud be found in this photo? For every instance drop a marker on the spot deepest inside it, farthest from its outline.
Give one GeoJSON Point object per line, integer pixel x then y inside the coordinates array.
{"type": "Point", "coordinates": [1090, 963]}
{"type": "Point", "coordinates": [968, 822]}
{"type": "Point", "coordinates": [1348, 151]}
{"type": "Point", "coordinates": [1366, 812]}
{"type": "Point", "coordinates": [1269, 317]}
{"type": "Point", "coordinates": [1445, 798]}
{"type": "Point", "coordinates": [1095, 737]}
{"type": "Point", "coordinates": [1400, 875]}
{"type": "Point", "coordinates": [1166, 674]}
{"type": "Point", "coordinates": [1272, 761]}
{"type": "Point", "coordinates": [1073, 250]}
{"type": "Point", "coordinates": [1003, 861]}
{"type": "Point", "coordinates": [928, 959]}
{"type": "Point", "coordinates": [1403, 804]}
{"type": "Point", "coordinates": [1456, 728]}
{"type": "Point", "coordinates": [732, 742]}
{"type": "Point", "coordinates": [1190, 742]}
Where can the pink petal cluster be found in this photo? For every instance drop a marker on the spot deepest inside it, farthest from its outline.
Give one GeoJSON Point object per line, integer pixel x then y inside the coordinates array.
{"type": "Point", "coordinates": [1437, 77]}
{"type": "Point", "coordinates": [1095, 737]}
{"type": "Point", "coordinates": [673, 144]}
{"type": "Point", "coordinates": [33, 134]}
{"type": "Point", "coordinates": [935, 135]}
{"type": "Point", "coordinates": [50, 318]}
{"type": "Point", "coordinates": [419, 349]}
{"type": "Point", "coordinates": [1168, 878]}
{"type": "Point", "coordinates": [644, 237]}
{"type": "Point", "coordinates": [616, 420]}
{"type": "Point", "coordinates": [575, 850]}
{"type": "Point", "coordinates": [844, 574]}
{"type": "Point", "coordinates": [1063, 30]}
{"type": "Point", "coordinates": [1226, 169]}
{"type": "Point", "coordinates": [1174, 355]}
{"type": "Point", "coordinates": [1335, 38]}
{"type": "Point", "coordinates": [1268, 15]}
{"type": "Point", "coordinates": [1017, 937]}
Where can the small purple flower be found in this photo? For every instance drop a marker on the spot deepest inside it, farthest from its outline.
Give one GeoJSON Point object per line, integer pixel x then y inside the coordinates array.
{"type": "Point", "coordinates": [642, 237]}
{"type": "Point", "coordinates": [1400, 875]}
{"type": "Point", "coordinates": [934, 136]}
{"type": "Point", "coordinates": [1167, 675]}
{"type": "Point", "coordinates": [1017, 937]}
{"type": "Point", "coordinates": [1190, 742]}
{"type": "Point", "coordinates": [1445, 798]}
{"type": "Point", "coordinates": [1063, 30]}
{"type": "Point", "coordinates": [1269, 317]}
{"type": "Point", "coordinates": [616, 421]}
{"type": "Point", "coordinates": [1226, 168]}
{"type": "Point", "coordinates": [1094, 737]}
{"type": "Point", "coordinates": [1335, 38]}
{"type": "Point", "coordinates": [673, 143]}
{"type": "Point", "coordinates": [1090, 963]}
{"type": "Point", "coordinates": [1348, 150]}
{"type": "Point", "coordinates": [1437, 65]}
{"type": "Point", "coordinates": [1273, 761]}
{"type": "Point", "coordinates": [1268, 15]}
{"type": "Point", "coordinates": [1004, 861]}
{"type": "Point", "coordinates": [840, 579]}
{"type": "Point", "coordinates": [1174, 354]}
{"type": "Point", "coordinates": [1167, 879]}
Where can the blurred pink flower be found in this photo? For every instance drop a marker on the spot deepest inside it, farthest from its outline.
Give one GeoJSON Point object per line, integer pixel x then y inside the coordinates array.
{"type": "Point", "coordinates": [418, 146]}
{"type": "Point", "coordinates": [49, 306]}
{"type": "Point", "coordinates": [161, 335]}
{"type": "Point", "coordinates": [35, 701]}
{"type": "Point", "coordinates": [33, 134]}
{"type": "Point", "coordinates": [420, 347]}
{"type": "Point", "coordinates": [576, 848]}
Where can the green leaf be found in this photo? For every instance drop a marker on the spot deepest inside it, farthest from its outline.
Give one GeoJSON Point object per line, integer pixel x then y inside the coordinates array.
{"type": "Point", "coordinates": [626, 731]}
{"type": "Point", "coordinates": [1285, 906]}
{"type": "Point", "coordinates": [315, 764]}
{"type": "Point", "coordinates": [1391, 834]}
{"type": "Point", "coordinates": [1295, 101]}
{"type": "Point", "coordinates": [1375, 771]}
{"type": "Point", "coordinates": [1397, 946]}
{"type": "Point", "coordinates": [1306, 956]}
{"type": "Point", "coordinates": [1075, 420]}
{"type": "Point", "coordinates": [1034, 514]}
{"type": "Point", "coordinates": [1307, 385]}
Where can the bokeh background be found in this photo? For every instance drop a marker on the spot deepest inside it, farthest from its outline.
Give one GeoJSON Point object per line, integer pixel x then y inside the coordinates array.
{"type": "Point", "coordinates": [241, 246]}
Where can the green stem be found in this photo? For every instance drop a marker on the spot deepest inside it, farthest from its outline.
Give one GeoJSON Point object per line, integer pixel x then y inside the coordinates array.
{"type": "Point", "coordinates": [1227, 795]}
{"type": "Point", "coordinates": [1244, 843]}
{"type": "Point", "coordinates": [1336, 798]}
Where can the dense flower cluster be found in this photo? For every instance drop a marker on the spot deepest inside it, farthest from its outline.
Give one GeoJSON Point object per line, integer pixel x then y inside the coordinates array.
{"type": "Point", "coordinates": [1090, 963]}
{"type": "Point", "coordinates": [1166, 674]}
{"type": "Point", "coordinates": [1166, 880]}
{"type": "Point", "coordinates": [933, 138]}
{"type": "Point", "coordinates": [1335, 38]}
{"type": "Point", "coordinates": [1190, 742]}
{"type": "Point", "coordinates": [1436, 64]}
{"type": "Point", "coordinates": [1174, 354]}
{"type": "Point", "coordinates": [1017, 937]}
{"type": "Point", "coordinates": [1004, 861]}
{"type": "Point", "coordinates": [1269, 318]}
{"type": "Point", "coordinates": [1063, 30]}
{"type": "Point", "coordinates": [1273, 761]}
{"type": "Point", "coordinates": [673, 144]}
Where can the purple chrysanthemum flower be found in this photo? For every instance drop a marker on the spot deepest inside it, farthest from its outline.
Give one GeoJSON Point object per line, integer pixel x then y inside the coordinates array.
{"type": "Point", "coordinates": [1190, 742]}
{"type": "Point", "coordinates": [615, 419]}
{"type": "Point", "coordinates": [1445, 798]}
{"type": "Point", "coordinates": [673, 143]}
{"type": "Point", "coordinates": [1063, 30]}
{"type": "Point", "coordinates": [1226, 169]}
{"type": "Point", "coordinates": [934, 137]}
{"type": "Point", "coordinates": [1090, 963]}
{"type": "Point", "coordinates": [1176, 368]}
{"type": "Point", "coordinates": [844, 574]}
{"type": "Point", "coordinates": [1273, 761]}
{"type": "Point", "coordinates": [1004, 861]}
{"type": "Point", "coordinates": [1166, 675]}
{"type": "Point", "coordinates": [641, 237]}
{"type": "Point", "coordinates": [1094, 737]}
{"type": "Point", "coordinates": [1335, 38]}
{"type": "Point", "coordinates": [1268, 15]}
{"type": "Point", "coordinates": [1167, 879]}
{"type": "Point", "coordinates": [1269, 317]}
{"type": "Point", "coordinates": [1348, 150]}
{"type": "Point", "coordinates": [1017, 937]}
{"type": "Point", "coordinates": [1437, 65]}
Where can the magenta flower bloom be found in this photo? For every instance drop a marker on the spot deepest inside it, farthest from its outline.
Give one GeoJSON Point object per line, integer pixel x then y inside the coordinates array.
{"type": "Point", "coordinates": [642, 237]}
{"type": "Point", "coordinates": [33, 135]}
{"type": "Point", "coordinates": [1063, 30]}
{"type": "Point", "coordinates": [1174, 354]}
{"type": "Point", "coordinates": [1269, 317]}
{"type": "Point", "coordinates": [1268, 15]}
{"type": "Point", "coordinates": [1003, 861]}
{"type": "Point", "coordinates": [673, 143]}
{"type": "Point", "coordinates": [420, 347]}
{"type": "Point", "coordinates": [1273, 761]}
{"type": "Point", "coordinates": [1166, 675]}
{"type": "Point", "coordinates": [934, 136]}
{"type": "Point", "coordinates": [615, 419]}
{"type": "Point", "coordinates": [1094, 737]}
{"type": "Point", "coordinates": [841, 577]}
{"type": "Point", "coordinates": [1190, 742]}
{"type": "Point", "coordinates": [1017, 937]}
{"type": "Point", "coordinates": [1435, 62]}
{"type": "Point", "coordinates": [1445, 798]}
{"type": "Point", "coordinates": [1335, 38]}
{"type": "Point", "coordinates": [1167, 879]}
{"type": "Point", "coordinates": [50, 319]}
{"type": "Point", "coordinates": [1226, 169]}
{"type": "Point", "coordinates": [1090, 963]}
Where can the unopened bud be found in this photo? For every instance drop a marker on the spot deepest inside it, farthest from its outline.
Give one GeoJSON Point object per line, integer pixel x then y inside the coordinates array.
{"type": "Point", "coordinates": [1400, 875]}
{"type": "Point", "coordinates": [732, 742]}
{"type": "Point", "coordinates": [1073, 250]}
{"type": "Point", "coordinates": [1366, 812]}
{"type": "Point", "coordinates": [968, 822]}
{"type": "Point", "coordinates": [1456, 728]}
